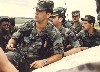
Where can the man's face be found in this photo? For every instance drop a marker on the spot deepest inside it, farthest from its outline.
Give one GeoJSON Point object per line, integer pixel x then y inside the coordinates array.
{"type": "Point", "coordinates": [55, 20]}
{"type": "Point", "coordinates": [75, 18]}
{"type": "Point", "coordinates": [41, 15]}
{"type": "Point", "coordinates": [86, 26]}
{"type": "Point", "coordinates": [4, 26]}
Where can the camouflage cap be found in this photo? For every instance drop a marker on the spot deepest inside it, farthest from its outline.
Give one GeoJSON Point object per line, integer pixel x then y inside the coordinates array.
{"type": "Point", "coordinates": [89, 18]}
{"type": "Point", "coordinates": [60, 11]}
{"type": "Point", "coordinates": [76, 13]}
{"type": "Point", "coordinates": [45, 5]}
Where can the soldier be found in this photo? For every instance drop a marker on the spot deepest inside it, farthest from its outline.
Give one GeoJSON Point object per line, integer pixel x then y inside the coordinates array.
{"type": "Point", "coordinates": [98, 11]}
{"type": "Point", "coordinates": [98, 6]}
{"type": "Point", "coordinates": [12, 26]}
{"type": "Point", "coordinates": [38, 39]}
{"type": "Point", "coordinates": [58, 18]}
{"type": "Point", "coordinates": [89, 36]}
{"type": "Point", "coordinates": [4, 32]}
{"type": "Point", "coordinates": [76, 25]}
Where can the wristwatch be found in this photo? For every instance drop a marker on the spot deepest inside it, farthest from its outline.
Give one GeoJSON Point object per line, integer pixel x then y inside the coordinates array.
{"type": "Point", "coordinates": [45, 61]}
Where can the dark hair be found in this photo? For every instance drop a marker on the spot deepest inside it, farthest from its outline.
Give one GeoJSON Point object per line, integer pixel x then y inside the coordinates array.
{"type": "Point", "coordinates": [4, 20]}
{"type": "Point", "coordinates": [49, 11]}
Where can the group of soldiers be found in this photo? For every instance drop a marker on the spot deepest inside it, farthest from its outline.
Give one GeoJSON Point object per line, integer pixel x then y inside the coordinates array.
{"type": "Point", "coordinates": [48, 38]}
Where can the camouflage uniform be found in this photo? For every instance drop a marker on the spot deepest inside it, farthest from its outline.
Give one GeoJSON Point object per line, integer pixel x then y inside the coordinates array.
{"type": "Point", "coordinates": [44, 44]}
{"type": "Point", "coordinates": [98, 11]}
{"type": "Point", "coordinates": [76, 28]}
{"type": "Point", "coordinates": [4, 32]}
{"type": "Point", "coordinates": [68, 38]}
{"type": "Point", "coordinates": [87, 40]}
{"type": "Point", "coordinates": [37, 46]}
{"type": "Point", "coordinates": [67, 24]}
{"type": "Point", "coordinates": [98, 6]}
{"type": "Point", "coordinates": [67, 35]}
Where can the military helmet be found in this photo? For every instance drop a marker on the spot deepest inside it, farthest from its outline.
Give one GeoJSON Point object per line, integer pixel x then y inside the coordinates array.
{"type": "Point", "coordinates": [76, 13]}
{"type": "Point", "coordinates": [45, 5]}
{"type": "Point", "coordinates": [89, 18]}
{"type": "Point", "coordinates": [60, 11]}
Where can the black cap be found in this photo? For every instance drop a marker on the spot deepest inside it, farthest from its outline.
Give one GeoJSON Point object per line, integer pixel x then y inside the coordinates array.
{"type": "Point", "coordinates": [76, 13]}
{"type": "Point", "coordinates": [60, 11]}
{"type": "Point", "coordinates": [89, 18]}
{"type": "Point", "coordinates": [45, 5]}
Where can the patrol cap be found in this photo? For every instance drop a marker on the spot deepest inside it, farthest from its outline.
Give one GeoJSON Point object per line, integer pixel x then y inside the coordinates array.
{"type": "Point", "coordinates": [45, 5]}
{"type": "Point", "coordinates": [60, 11]}
{"type": "Point", "coordinates": [76, 13]}
{"type": "Point", "coordinates": [89, 18]}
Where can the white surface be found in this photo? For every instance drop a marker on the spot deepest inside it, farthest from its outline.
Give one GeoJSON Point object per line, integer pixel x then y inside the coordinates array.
{"type": "Point", "coordinates": [86, 56]}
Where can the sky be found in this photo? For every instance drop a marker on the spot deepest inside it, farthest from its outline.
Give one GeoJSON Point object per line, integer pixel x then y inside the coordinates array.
{"type": "Point", "coordinates": [24, 8]}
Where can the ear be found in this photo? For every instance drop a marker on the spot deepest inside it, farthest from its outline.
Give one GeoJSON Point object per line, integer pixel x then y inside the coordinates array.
{"type": "Point", "coordinates": [92, 24]}
{"type": "Point", "coordinates": [60, 19]}
{"type": "Point", "coordinates": [48, 15]}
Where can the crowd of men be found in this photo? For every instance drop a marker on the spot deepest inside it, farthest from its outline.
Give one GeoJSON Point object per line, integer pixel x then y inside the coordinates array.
{"type": "Point", "coordinates": [48, 38]}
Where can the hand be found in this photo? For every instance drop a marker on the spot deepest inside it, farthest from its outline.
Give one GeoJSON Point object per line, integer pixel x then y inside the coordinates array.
{"type": "Point", "coordinates": [37, 64]}
{"type": "Point", "coordinates": [10, 47]}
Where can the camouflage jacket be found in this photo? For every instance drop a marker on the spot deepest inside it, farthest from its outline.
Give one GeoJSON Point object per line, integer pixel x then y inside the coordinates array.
{"type": "Point", "coordinates": [68, 38]}
{"type": "Point", "coordinates": [87, 40]}
{"type": "Point", "coordinates": [76, 28]}
{"type": "Point", "coordinates": [39, 45]}
{"type": "Point", "coordinates": [67, 24]}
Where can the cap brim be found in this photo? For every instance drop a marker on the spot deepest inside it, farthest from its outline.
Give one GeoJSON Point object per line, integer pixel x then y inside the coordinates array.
{"type": "Point", "coordinates": [39, 8]}
{"type": "Point", "coordinates": [84, 19]}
